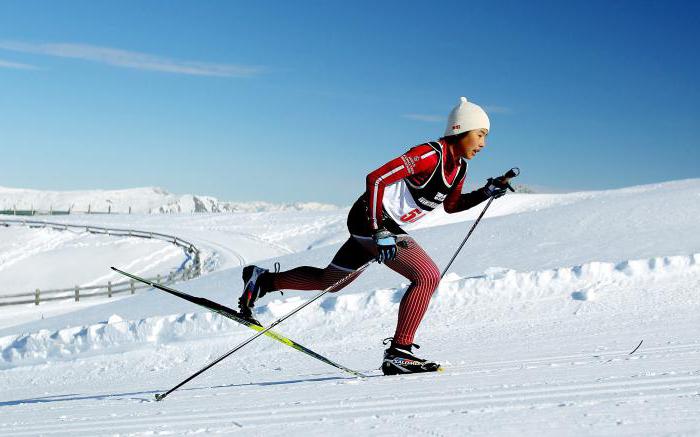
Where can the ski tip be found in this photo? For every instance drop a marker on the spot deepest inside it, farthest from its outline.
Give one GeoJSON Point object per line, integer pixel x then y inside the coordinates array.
{"type": "Point", "coordinates": [635, 349]}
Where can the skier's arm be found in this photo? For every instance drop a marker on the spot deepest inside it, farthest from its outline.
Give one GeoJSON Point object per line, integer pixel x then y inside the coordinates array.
{"type": "Point", "coordinates": [418, 160]}
{"type": "Point", "coordinates": [457, 202]}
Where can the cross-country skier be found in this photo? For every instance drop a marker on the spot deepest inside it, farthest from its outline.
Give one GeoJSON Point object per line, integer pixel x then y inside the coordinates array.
{"type": "Point", "coordinates": [399, 194]}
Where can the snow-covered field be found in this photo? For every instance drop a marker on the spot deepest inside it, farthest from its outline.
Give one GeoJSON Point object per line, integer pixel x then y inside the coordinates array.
{"type": "Point", "coordinates": [46, 258]}
{"type": "Point", "coordinates": [534, 323]}
{"type": "Point", "coordinates": [134, 200]}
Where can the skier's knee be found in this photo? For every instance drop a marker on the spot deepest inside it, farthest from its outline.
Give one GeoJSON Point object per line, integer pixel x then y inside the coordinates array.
{"type": "Point", "coordinates": [429, 277]}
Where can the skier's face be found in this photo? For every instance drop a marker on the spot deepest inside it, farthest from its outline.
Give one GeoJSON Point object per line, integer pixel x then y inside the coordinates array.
{"type": "Point", "coordinates": [471, 143]}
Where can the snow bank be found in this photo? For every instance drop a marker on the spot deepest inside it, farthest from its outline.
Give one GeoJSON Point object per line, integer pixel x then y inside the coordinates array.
{"type": "Point", "coordinates": [495, 287]}
{"type": "Point", "coordinates": [114, 334]}
{"type": "Point", "coordinates": [582, 282]}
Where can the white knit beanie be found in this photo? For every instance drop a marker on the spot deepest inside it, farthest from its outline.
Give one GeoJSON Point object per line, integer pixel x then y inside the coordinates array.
{"type": "Point", "coordinates": [466, 116]}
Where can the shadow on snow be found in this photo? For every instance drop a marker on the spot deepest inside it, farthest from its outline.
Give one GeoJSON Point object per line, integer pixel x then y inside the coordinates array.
{"type": "Point", "coordinates": [135, 395]}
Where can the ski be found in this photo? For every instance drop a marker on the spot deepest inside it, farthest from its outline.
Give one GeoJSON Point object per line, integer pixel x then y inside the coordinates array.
{"type": "Point", "coordinates": [237, 317]}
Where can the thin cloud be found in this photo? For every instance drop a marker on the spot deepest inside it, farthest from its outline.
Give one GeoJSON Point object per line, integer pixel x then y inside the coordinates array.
{"type": "Point", "coordinates": [494, 109]}
{"type": "Point", "coordinates": [431, 118]}
{"type": "Point", "coordinates": [16, 65]}
{"type": "Point", "coordinates": [130, 59]}
{"type": "Point", "coordinates": [424, 117]}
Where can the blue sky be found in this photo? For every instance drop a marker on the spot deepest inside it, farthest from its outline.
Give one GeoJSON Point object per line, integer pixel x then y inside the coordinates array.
{"type": "Point", "coordinates": [298, 101]}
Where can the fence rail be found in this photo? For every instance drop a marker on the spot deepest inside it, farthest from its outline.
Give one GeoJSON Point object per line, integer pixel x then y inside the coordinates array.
{"type": "Point", "coordinates": [76, 293]}
{"type": "Point", "coordinates": [51, 211]}
{"type": "Point", "coordinates": [90, 211]}
{"type": "Point", "coordinates": [110, 288]}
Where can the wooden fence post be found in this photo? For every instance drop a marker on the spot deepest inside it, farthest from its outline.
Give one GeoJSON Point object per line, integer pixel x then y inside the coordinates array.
{"type": "Point", "coordinates": [192, 271]}
{"type": "Point", "coordinates": [197, 266]}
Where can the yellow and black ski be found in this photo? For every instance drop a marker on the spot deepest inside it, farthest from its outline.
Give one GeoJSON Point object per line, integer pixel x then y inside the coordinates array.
{"type": "Point", "coordinates": [237, 317]}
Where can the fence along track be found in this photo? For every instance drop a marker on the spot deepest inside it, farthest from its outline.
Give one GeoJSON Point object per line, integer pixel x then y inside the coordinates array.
{"type": "Point", "coordinates": [110, 288]}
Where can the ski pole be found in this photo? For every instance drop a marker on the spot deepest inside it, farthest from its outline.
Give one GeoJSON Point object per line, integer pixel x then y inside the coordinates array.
{"type": "Point", "coordinates": [161, 396]}
{"type": "Point", "coordinates": [513, 172]}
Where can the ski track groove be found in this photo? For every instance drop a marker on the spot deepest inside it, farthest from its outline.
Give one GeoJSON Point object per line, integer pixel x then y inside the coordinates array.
{"type": "Point", "coordinates": [40, 242]}
{"type": "Point", "coordinates": [434, 404]}
{"type": "Point", "coordinates": [572, 359]}
{"type": "Point", "coordinates": [220, 249]}
{"type": "Point", "coordinates": [258, 423]}
{"type": "Point", "coordinates": [444, 408]}
{"type": "Point", "coordinates": [258, 239]}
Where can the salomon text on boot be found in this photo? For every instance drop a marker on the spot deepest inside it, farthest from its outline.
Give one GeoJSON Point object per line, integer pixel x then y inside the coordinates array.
{"type": "Point", "coordinates": [399, 359]}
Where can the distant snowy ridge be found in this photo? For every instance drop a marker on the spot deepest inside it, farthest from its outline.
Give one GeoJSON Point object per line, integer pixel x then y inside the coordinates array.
{"type": "Point", "coordinates": [589, 281]}
{"type": "Point", "coordinates": [140, 200]}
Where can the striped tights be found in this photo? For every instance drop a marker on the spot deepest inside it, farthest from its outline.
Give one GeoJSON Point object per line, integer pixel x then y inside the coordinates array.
{"type": "Point", "coordinates": [411, 262]}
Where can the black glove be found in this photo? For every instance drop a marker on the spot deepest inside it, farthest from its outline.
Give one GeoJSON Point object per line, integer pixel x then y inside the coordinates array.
{"type": "Point", "coordinates": [386, 245]}
{"type": "Point", "coordinates": [496, 187]}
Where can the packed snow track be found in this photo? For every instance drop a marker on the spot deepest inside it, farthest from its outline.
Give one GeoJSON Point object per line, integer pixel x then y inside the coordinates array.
{"type": "Point", "coordinates": [537, 325]}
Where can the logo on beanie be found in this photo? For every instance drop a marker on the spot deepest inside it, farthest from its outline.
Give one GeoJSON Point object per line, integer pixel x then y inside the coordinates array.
{"type": "Point", "coordinates": [456, 126]}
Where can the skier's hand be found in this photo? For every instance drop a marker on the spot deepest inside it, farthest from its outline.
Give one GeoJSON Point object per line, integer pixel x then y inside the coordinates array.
{"type": "Point", "coordinates": [497, 187]}
{"type": "Point", "coordinates": [386, 245]}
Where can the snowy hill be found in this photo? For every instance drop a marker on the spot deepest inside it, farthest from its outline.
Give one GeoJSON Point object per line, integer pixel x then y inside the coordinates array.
{"type": "Point", "coordinates": [140, 200]}
{"type": "Point", "coordinates": [534, 323]}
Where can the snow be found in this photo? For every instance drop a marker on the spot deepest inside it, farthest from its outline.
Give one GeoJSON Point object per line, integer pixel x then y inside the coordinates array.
{"type": "Point", "coordinates": [534, 323]}
{"type": "Point", "coordinates": [46, 258]}
{"type": "Point", "coordinates": [135, 200]}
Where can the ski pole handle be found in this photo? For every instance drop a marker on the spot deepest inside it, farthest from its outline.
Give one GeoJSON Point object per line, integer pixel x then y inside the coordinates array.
{"type": "Point", "coordinates": [513, 172]}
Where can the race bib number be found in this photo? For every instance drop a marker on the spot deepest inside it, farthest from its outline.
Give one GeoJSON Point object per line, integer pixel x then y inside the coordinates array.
{"type": "Point", "coordinates": [412, 215]}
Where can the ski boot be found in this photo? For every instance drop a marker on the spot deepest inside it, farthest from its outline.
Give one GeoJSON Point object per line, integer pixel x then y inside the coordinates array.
{"type": "Point", "coordinates": [399, 359]}
{"type": "Point", "coordinates": [251, 290]}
